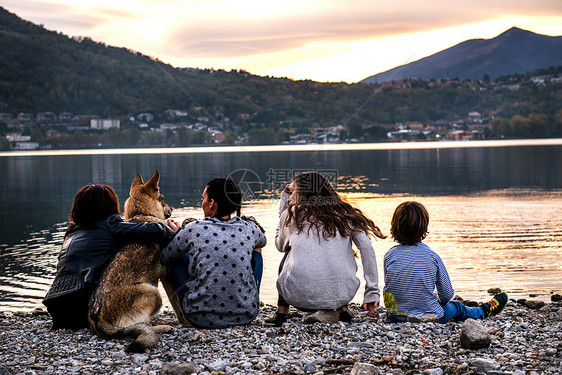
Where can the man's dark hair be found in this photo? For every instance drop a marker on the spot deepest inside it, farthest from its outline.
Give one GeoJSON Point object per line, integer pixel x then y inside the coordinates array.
{"type": "Point", "coordinates": [227, 194]}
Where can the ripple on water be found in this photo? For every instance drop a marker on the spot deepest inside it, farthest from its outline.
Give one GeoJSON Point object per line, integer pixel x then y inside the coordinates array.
{"type": "Point", "coordinates": [486, 240]}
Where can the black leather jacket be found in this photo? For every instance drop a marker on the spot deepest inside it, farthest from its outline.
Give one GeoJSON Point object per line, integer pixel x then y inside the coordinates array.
{"type": "Point", "coordinates": [87, 250]}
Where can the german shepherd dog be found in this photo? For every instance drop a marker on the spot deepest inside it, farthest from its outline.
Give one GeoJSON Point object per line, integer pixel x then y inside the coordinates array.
{"type": "Point", "coordinates": [127, 296]}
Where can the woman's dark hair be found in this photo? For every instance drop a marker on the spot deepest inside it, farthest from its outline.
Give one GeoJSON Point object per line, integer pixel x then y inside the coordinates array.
{"type": "Point", "coordinates": [227, 194]}
{"type": "Point", "coordinates": [93, 203]}
{"type": "Point", "coordinates": [318, 204]}
{"type": "Point", "coordinates": [409, 223]}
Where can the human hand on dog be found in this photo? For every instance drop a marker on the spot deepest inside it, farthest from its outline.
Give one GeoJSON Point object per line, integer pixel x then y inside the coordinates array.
{"type": "Point", "coordinates": [174, 225]}
{"type": "Point", "coordinates": [372, 308]}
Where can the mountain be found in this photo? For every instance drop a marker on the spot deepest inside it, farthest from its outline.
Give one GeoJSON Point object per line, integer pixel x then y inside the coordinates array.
{"type": "Point", "coordinates": [514, 51]}
{"type": "Point", "coordinates": [42, 70]}
{"type": "Point", "coordinates": [47, 71]}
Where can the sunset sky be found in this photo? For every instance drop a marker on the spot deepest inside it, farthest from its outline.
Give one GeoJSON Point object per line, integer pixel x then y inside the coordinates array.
{"type": "Point", "coordinates": [322, 40]}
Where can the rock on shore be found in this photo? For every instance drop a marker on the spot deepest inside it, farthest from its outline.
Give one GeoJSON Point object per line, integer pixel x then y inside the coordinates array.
{"type": "Point", "coordinates": [524, 341]}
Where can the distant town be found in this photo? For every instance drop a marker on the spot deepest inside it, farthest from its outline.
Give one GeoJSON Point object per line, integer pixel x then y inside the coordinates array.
{"type": "Point", "coordinates": [194, 126]}
{"type": "Point", "coordinates": [473, 126]}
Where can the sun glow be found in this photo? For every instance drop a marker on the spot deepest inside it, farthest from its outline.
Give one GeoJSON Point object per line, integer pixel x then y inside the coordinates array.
{"type": "Point", "coordinates": [151, 30]}
{"type": "Point", "coordinates": [357, 60]}
{"type": "Point", "coordinates": [325, 40]}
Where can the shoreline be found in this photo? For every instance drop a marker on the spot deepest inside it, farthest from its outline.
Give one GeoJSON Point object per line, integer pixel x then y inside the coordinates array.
{"type": "Point", "coordinates": [298, 148]}
{"type": "Point", "coordinates": [270, 298]}
{"type": "Point", "coordinates": [526, 340]}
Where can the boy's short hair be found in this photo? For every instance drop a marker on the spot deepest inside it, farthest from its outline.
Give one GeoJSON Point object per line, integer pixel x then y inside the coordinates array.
{"type": "Point", "coordinates": [409, 223]}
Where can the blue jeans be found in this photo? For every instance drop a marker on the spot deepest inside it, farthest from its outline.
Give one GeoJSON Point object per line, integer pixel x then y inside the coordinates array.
{"type": "Point", "coordinates": [458, 311]}
{"type": "Point", "coordinates": [452, 310]}
{"type": "Point", "coordinates": [179, 275]}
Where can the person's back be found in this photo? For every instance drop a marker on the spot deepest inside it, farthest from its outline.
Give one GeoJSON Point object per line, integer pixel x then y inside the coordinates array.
{"type": "Point", "coordinates": [416, 280]}
{"type": "Point", "coordinates": [87, 248]}
{"type": "Point", "coordinates": [412, 273]}
{"type": "Point", "coordinates": [332, 282]}
{"type": "Point", "coordinates": [90, 242]}
{"type": "Point", "coordinates": [318, 227]}
{"type": "Point", "coordinates": [221, 291]}
{"type": "Point", "coordinates": [215, 262]}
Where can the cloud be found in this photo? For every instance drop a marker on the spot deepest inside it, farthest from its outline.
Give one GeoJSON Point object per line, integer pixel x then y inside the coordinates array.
{"type": "Point", "coordinates": [283, 37]}
{"type": "Point", "coordinates": [56, 16]}
{"type": "Point", "coordinates": [239, 37]}
{"type": "Point", "coordinates": [33, 8]}
{"type": "Point", "coordinates": [109, 12]}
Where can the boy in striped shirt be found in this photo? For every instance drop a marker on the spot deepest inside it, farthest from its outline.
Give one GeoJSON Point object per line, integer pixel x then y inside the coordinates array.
{"type": "Point", "coordinates": [416, 280]}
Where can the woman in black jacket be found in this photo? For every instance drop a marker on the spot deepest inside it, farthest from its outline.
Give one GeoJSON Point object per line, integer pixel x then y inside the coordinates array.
{"type": "Point", "coordinates": [93, 237]}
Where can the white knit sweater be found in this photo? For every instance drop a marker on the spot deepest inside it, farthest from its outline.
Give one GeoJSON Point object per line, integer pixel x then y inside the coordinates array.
{"type": "Point", "coordinates": [319, 273]}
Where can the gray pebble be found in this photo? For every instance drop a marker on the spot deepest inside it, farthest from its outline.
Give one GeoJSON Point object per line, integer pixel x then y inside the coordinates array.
{"type": "Point", "coordinates": [218, 365]}
{"type": "Point", "coordinates": [310, 367]}
{"type": "Point", "coordinates": [433, 371]}
{"type": "Point", "coordinates": [140, 359]}
{"type": "Point", "coordinates": [522, 339]}
{"type": "Point", "coordinates": [120, 354]}
{"type": "Point", "coordinates": [484, 364]}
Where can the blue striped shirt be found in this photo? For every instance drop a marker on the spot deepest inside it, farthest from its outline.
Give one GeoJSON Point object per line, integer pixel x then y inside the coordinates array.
{"type": "Point", "coordinates": [416, 281]}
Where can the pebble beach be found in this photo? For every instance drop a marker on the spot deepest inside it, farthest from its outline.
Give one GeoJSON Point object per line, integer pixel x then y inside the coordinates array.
{"type": "Point", "coordinates": [526, 339]}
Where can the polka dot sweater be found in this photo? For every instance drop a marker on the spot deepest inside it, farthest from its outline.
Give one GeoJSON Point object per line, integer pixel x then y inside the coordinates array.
{"type": "Point", "coordinates": [221, 290]}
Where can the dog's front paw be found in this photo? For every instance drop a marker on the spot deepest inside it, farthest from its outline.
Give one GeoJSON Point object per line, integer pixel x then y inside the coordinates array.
{"type": "Point", "coordinates": [163, 328]}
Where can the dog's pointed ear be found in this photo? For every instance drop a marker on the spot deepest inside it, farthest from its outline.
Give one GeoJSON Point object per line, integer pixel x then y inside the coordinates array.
{"type": "Point", "coordinates": [136, 182]}
{"type": "Point", "coordinates": [152, 184]}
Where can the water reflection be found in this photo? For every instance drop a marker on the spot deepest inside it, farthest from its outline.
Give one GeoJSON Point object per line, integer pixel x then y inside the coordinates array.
{"type": "Point", "coordinates": [496, 213]}
{"type": "Point", "coordinates": [485, 240]}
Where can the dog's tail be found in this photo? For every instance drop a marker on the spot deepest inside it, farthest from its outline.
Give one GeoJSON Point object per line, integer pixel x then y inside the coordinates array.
{"type": "Point", "coordinates": [143, 334]}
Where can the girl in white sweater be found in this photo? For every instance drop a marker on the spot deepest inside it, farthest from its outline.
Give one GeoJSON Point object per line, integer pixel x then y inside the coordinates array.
{"type": "Point", "coordinates": [316, 231]}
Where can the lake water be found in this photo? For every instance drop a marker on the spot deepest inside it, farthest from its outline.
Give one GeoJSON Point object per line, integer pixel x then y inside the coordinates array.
{"type": "Point", "coordinates": [495, 207]}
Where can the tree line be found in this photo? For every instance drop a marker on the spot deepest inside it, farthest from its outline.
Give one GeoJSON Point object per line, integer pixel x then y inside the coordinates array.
{"type": "Point", "coordinates": [42, 70]}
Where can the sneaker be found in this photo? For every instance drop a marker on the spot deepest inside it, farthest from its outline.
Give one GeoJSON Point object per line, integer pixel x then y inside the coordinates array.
{"type": "Point", "coordinates": [277, 319]}
{"type": "Point", "coordinates": [495, 305]}
{"type": "Point", "coordinates": [346, 317]}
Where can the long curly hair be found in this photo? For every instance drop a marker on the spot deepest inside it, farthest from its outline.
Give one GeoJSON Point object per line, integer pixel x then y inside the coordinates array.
{"type": "Point", "coordinates": [317, 205]}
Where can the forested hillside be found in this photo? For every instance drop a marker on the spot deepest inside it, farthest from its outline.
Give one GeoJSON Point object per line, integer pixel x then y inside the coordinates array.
{"type": "Point", "coordinates": [42, 70]}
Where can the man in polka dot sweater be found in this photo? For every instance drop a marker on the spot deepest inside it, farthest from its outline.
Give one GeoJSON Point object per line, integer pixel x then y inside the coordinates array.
{"type": "Point", "coordinates": [220, 289]}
